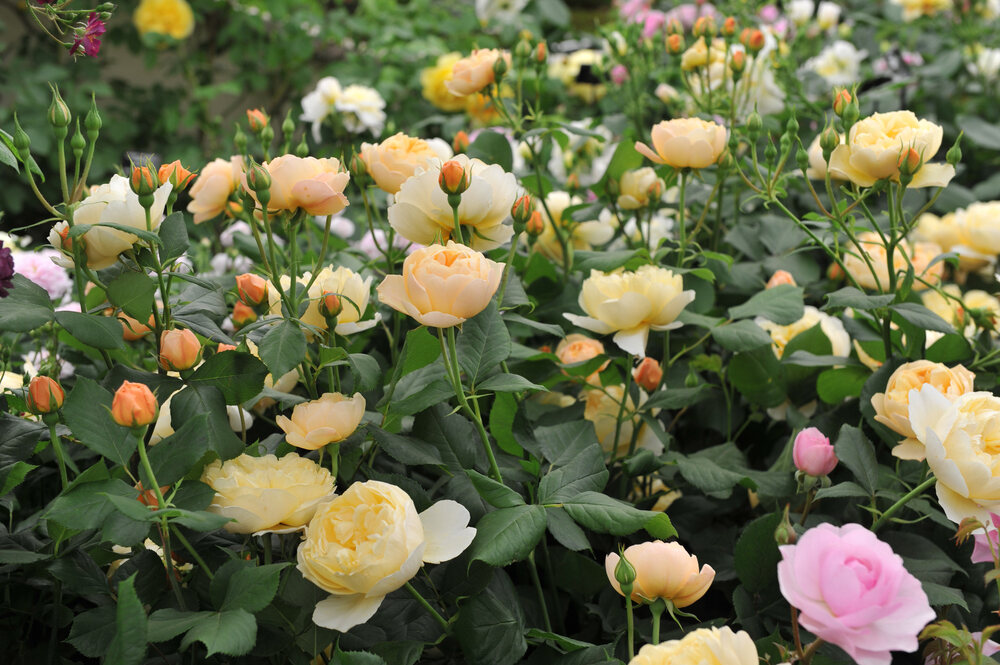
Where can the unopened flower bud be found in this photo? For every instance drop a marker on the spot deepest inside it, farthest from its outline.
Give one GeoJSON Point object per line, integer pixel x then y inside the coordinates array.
{"type": "Point", "coordinates": [770, 153]}
{"type": "Point", "coordinates": [288, 126]}
{"type": "Point", "coordinates": [179, 349]}
{"type": "Point", "coordinates": [302, 149]}
{"type": "Point", "coordinates": [134, 405]}
{"type": "Point", "coordinates": [453, 179]}
{"type": "Point", "coordinates": [521, 212]}
{"type": "Point", "coordinates": [738, 62]}
{"type": "Point", "coordinates": [541, 53]}
{"type": "Point", "coordinates": [259, 181]}
{"type": "Point", "coordinates": [704, 26]}
{"type": "Point", "coordinates": [358, 169]}
{"type": "Point", "coordinates": [77, 143]}
{"type": "Point", "coordinates": [251, 289]}
{"type": "Point", "coordinates": [240, 141]}
{"type": "Point", "coordinates": [674, 26]}
{"type": "Point", "coordinates": [22, 143]}
{"type": "Point", "coordinates": [625, 574]}
{"type": "Point", "coordinates": [92, 123]}
{"type": "Point", "coordinates": [523, 49]}
{"type": "Point", "coordinates": [908, 162]}
{"type": "Point", "coordinates": [729, 26]}
{"type": "Point", "coordinates": [461, 142]}
{"type": "Point", "coordinates": [257, 120]}
{"type": "Point", "coordinates": [828, 141]}
{"type": "Point", "coordinates": [266, 135]}
{"type": "Point", "coordinates": [754, 125]}
{"type": "Point", "coordinates": [648, 374]}
{"type": "Point", "coordinates": [841, 100]}
{"type": "Point", "coordinates": [144, 180]}
{"type": "Point", "coordinates": [726, 161]}
{"type": "Point", "coordinates": [59, 115]}
{"type": "Point", "coordinates": [954, 154]}
{"type": "Point", "coordinates": [535, 225]}
{"type": "Point", "coordinates": [330, 305]}
{"type": "Point", "coordinates": [755, 42]}
{"type": "Point", "coordinates": [178, 176]}
{"type": "Point", "coordinates": [243, 315]}
{"type": "Point", "coordinates": [785, 533]}
{"type": "Point", "coordinates": [675, 43]}
{"type": "Point", "coordinates": [499, 69]}
{"type": "Point", "coordinates": [802, 158]}
{"type": "Point", "coordinates": [573, 182]}
{"type": "Point", "coordinates": [780, 277]}
{"type": "Point", "coordinates": [45, 395]}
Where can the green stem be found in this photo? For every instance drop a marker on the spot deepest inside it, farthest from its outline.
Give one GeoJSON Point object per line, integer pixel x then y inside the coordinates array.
{"type": "Point", "coordinates": [537, 582]}
{"type": "Point", "coordinates": [902, 502]}
{"type": "Point", "coordinates": [164, 524]}
{"type": "Point", "coordinates": [631, 628]}
{"type": "Point", "coordinates": [682, 185]}
{"type": "Point", "coordinates": [193, 552]}
{"type": "Point", "coordinates": [657, 609]}
{"type": "Point", "coordinates": [427, 606]}
{"type": "Point", "coordinates": [506, 268]}
{"type": "Point", "coordinates": [60, 455]}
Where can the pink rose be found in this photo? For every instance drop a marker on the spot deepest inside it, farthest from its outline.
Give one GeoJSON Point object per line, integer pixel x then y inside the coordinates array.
{"type": "Point", "coordinates": [852, 590]}
{"type": "Point", "coordinates": [652, 22]}
{"type": "Point", "coordinates": [981, 552]}
{"type": "Point", "coordinates": [619, 74]}
{"type": "Point", "coordinates": [813, 454]}
{"type": "Point", "coordinates": [39, 268]}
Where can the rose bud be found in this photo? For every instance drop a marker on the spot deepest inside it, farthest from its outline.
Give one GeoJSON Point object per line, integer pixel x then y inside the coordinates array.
{"type": "Point", "coordinates": [179, 349]}
{"type": "Point", "coordinates": [252, 289]}
{"type": "Point", "coordinates": [134, 405]}
{"type": "Point", "coordinates": [243, 315]}
{"type": "Point", "coordinates": [813, 454]}
{"type": "Point", "coordinates": [453, 179]}
{"type": "Point", "coordinates": [461, 142]}
{"type": "Point", "coordinates": [143, 180]}
{"type": "Point", "coordinates": [45, 395]}
{"type": "Point", "coordinates": [178, 176]}
{"type": "Point", "coordinates": [258, 119]}
{"type": "Point", "coordinates": [648, 374]}
{"type": "Point", "coordinates": [780, 277]}
{"type": "Point", "coordinates": [330, 306]}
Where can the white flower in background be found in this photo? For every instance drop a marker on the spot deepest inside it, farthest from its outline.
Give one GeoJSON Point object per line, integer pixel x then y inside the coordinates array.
{"type": "Point", "coordinates": [838, 64]}
{"type": "Point", "coordinates": [224, 263]}
{"type": "Point", "coordinates": [361, 107]}
{"type": "Point", "coordinates": [499, 11]}
{"type": "Point", "coordinates": [372, 245]}
{"type": "Point", "coordinates": [228, 237]}
{"type": "Point", "coordinates": [317, 104]}
{"type": "Point", "coordinates": [33, 362]}
{"type": "Point", "coordinates": [828, 15]}
{"type": "Point", "coordinates": [339, 226]}
{"type": "Point", "coordinates": [986, 64]}
{"type": "Point", "coordinates": [584, 235]}
{"type": "Point", "coordinates": [800, 11]}
{"type": "Point", "coordinates": [655, 230]}
{"type": "Point", "coordinates": [586, 156]}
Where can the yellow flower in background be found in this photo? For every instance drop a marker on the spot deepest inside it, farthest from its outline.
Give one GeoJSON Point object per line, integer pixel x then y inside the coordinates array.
{"type": "Point", "coordinates": [914, 9]}
{"type": "Point", "coordinates": [164, 17]}
{"type": "Point", "coordinates": [433, 80]}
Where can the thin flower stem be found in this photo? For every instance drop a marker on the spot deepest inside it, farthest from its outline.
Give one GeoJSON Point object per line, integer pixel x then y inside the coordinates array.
{"type": "Point", "coordinates": [506, 268]}
{"type": "Point", "coordinates": [427, 606]}
{"type": "Point", "coordinates": [902, 502]}
{"type": "Point", "coordinates": [60, 455]}
{"type": "Point", "coordinates": [631, 627]}
{"type": "Point", "coordinates": [537, 582]}
{"type": "Point", "coordinates": [193, 552]}
{"type": "Point", "coordinates": [681, 186]}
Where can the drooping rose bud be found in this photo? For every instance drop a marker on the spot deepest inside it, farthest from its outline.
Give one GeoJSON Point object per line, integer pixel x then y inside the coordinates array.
{"type": "Point", "coordinates": [812, 453]}
{"type": "Point", "coordinates": [258, 119]}
{"type": "Point", "coordinates": [648, 374]}
{"type": "Point", "coordinates": [453, 179]}
{"type": "Point", "coordinates": [252, 289]}
{"type": "Point", "coordinates": [179, 349]}
{"type": "Point", "coordinates": [243, 315]}
{"type": "Point", "coordinates": [134, 405]}
{"type": "Point", "coordinates": [461, 142]}
{"type": "Point", "coordinates": [178, 176]}
{"type": "Point", "coordinates": [780, 277]}
{"type": "Point", "coordinates": [45, 395]}
{"type": "Point", "coordinates": [835, 272]}
{"type": "Point", "coordinates": [143, 180]}
{"type": "Point", "coordinates": [330, 305]}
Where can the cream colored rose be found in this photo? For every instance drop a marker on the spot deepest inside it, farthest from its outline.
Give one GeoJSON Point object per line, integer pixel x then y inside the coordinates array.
{"type": "Point", "coordinates": [583, 235]}
{"type": "Point", "coordinates": [354, 292]}
{"type": "Point", "coordinates": [700, 55]}
{"type": "Point", "coordinates": [112, 203]}
{"type": "Point", "coordinates": [314, 185]}
{"type": "Point", "coordinates": [577, 348]}
{"type": "Point", "coordinates": [398, 157]}
{"type": "Point", "coordinates": [943, 231]}
{"type": "Point", "coordinates": [961, 439]}
{"type": "Point", "coordinates": [330, 419]}
{"type": "Point", "coordinates": [685, 143]}
{"type": "Point", "coordinates": [948, 308]}
{"type": "Point", "coordinates": [919, 254]}
{"type": "Point", "coordinates": [833, 328]}
{"type": "Point", "coordinates": [630, 304]}
{"type": "Point", "coordinates": [212, 188]}
{"type": "Point", "coordinates": [370, 541]}
{"type": "Point", "coordinates": [892, 407]}
{"type": "Point", "coordinates": [977, 299]}
{"type": "Point", "coordinates": [662, 570]}
{"type": "Point", "coordinates": [603, 406]}
{"type": "Point", "coordinates": [442, 286]}
{"type": "Point", "coordinates": [978, 228]}
{"type": "Point", "coordinates": [267, 494]}
{"type": "Point", "coordinates": [873, 149]}
{"type": "Point", "coordinates": [434, 81]}
{"type": "Point", "coordinates": [705, 646]}
{"type": "Point", "coordinates": [421, 212]}
{"type": "Point", "coordinates": [914, 9]}
{"type": "Point", "coordinates": [817, 165]}
{"type": "Point", "coordinates": [639, 187]}
{"type": "Point", "coordinates": [475, 71]}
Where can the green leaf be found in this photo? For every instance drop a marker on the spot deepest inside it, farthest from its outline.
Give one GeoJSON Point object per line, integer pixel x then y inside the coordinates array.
{"type": "Point", "coordinates": [625, 158]}
{"type": "Point", "coordinates": [844, 490]}
{"type": "Point", "coordinates": [86, 506]}
{"type": "Point", "coordinates": [238, 376]}
{"type": "Point", "coordinates": [922, 317]}
{"type": "Point", "coordinates": [715, 471]}
{"type": "Point", "coordinates": [857, 453]}
{"type": "Point", "coordinates": [501, 424]}
{"type": "Point", "coordinates": [759, 376]}
{"type": "Point", "coordinates": [233, 633]}
{"type": "Point", "coordinates": [601, 513]}
{"type": "Point", "coordinates": [584, 261]}
{"type": "Point", "coordinates": [355, 658]}
{"type": "Point", "coordinates": [756, 554]}
{"type": "Point", "coordinates": [168, 623]}
{"type": "Point", "coordinates": [283, 348]}
{"type": "Point", "coordinates": [950, 349]}
{"type": "Point", "coordinates": [836, 385]}
{"type": "Point", "coordinates": [547, 328]}
{"type": "Point", "coordinates": [133, 292]}
{"type": "Point", "coordinates": [741, 336]}
{"type": "Point", "coordinates": [183, 452]}
{"type": "Point", "coordinates": [676, 398]}
{"type": "Point", "coordinates": [405, 449]}
{"type": "Point", "coordinates": [93, 631]}
{"type": "Point", "coordinates": [507, 535]}
{"type": "Point", "coordinates": [15, 475]}
{"type": "Point", "coordinates": [979, 131]}
{"type": "Point", "coordinates": [100, 332]}
{"type": "Point", "coordinates": [26, 307]}
{"type": "Point", "coordinates": [452, 435]}
{"type": "Point", "coordinates": [494, 493]}
{"type": "Point", "coordinates": [252, 589]}
{"type": "Point", "coordinates": [508, 383]}
{"type": "Point", "coordinates": [490, 625]}
{"type": "Point", "coordinates": [367, 373]}
{"type": "Point", "coordinates": [781, 304]}
{"type": "Point", "coordinates": [142, 234]}
{"type": "Point", "coordinates": [7, 157]}
{"type": "Point", "coordinates": [87, 412]}
{"type": "Point", "coordinates": [856, 299]}
{"type": "Point", "coordinates": [560, 443]}
{"type": "Point", "coordinates": [492, 148]}
{"type": "Point", "coordinates": [18, 438]}
{"type": "Point", "coordinates": [198, 520]}
{"type": "Point", "coordinates": [565, 530]}
{"type": "Point", "coordinates": [173, 233]}
{"type": "Point", "coordinates": [196, 400]}
{"type": "Point", "coordinates": [583, 472]}
{"type": "Point", "coordinates": [129, 644]}
{"type": "Point", "coordinates": [483, 344]}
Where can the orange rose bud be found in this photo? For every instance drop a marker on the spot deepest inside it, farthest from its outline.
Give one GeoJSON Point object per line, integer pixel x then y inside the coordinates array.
{"type": "Point", "coordinates": [756, 41]}
{"type": "Point", "coordinates": [729, 26]}
{"type": "Point", "coordinates": [225, 347]}
{"type": "Point", "coordinates": [176, 175]}
{"type": "Point", "coordinates": [134, 405]}
{"type": "Point", "coordinates": [704, 26]}
{"type": "Point", "coordinates": [521, 211]}
{"type": "Point", "coordinates": [909, 161]}
{"type": "Point", "coordinates": [535, 225]}
{"type": "Point", "coordinates": [45, 395]}
{"type": "Point", "coordinates": [675, 44]}
{"type": "Point", "coordinates": [179, 349]}
{"type": "Point", "coordinates": [243, 315]}
{"type": "Point", "coordinates": [648, 374]}
{"type": "Point", "coordinates": [461, 142]}
{"type": "Point", "coordinates": [541, 53]}
{"type": "Point", "coordinates": [453, 179]}
{"type": "Point", "coordinates": [252, 289]}
{"type": "Point", "coordinates": [675, 27]}
{"type": "Point", "coordinates": [781, 277]}
{"type": "Point", "coordinates": [132, 330]}
{"type": "Point", "coordinates": [841, 100]}
{"type": "Point", "coordinates": [148, 497]}
{"type": "Point", "coordinates": [573, 182]}
{"type": "Point", "coordinates": [330, 305]}
{"type": "Point", "coordinates": [738, 61]}
{"type": "Point", "coordinates": [143, 180]}
{"type": "Point", "coordinates": [258, 119]}
{"type": "Point", "coordinates": [835, 272]}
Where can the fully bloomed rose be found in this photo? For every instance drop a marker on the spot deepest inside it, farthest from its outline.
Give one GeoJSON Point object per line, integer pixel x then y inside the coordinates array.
{"type": "Point", "coordinates": [329, 419]}
{"type": "Point", "coordinates": [398, 157]}
{"type": "Point", "coordinates": [840, 341]}
{"type": "Point", "coordinates": [663, 570]}
{"type": "Point", "coordinates": [113, 203]}
{"type": "Point", "coordinates": [422, 214]}
{"type": "Point", "coordinates": [874, 146]}
{"type": "Point", "coordinates": [434, 80]}
{"type": "Point", "coordinates": [314, 185]}
{"type": "Point", "coordinates": [630, 304]}
{"type": "Point", "coordinates": [370, 541]}
{"type": "Point", "coordinates": [583, 235]}
{"type": "Point", "coordinates": [603, 406]}
{"type": "Point", "coordinates": [919, 255]}
{"type": "Point", "coordinates": [892, 407]}
{"type": "Point", "coordinates": [442, 286]}
{"type": "Point", "coordinates": [267, 494]}
{"type": "Point", "coordinates": [705, 646]}
{"type": "Point", "coordinates": [212, 188]}
{"type": "Point", "coordinates": [475, 71]}
{"type": "Point", "coordinates": [354, 292]}
{"type": "Point", "coordinates": [685, 143]}
{"type": "Point", "coordinates": [164, 17]}
{"type": "Point", "coordinates": [852, 590]}
{"type": "Point", "coordinates": [639, 187]}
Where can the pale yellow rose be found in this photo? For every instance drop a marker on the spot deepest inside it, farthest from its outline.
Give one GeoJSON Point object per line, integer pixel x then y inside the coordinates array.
{"type": "Point", "coordinates": [662, 570]}
{"type": "Point", "coordinates": [700, 54]}
{"type": "Point", "coordinates": [685, 143]}
{"type": "Point", "coordinates": [636, 188]}
{"type": "Point", "coordinates": [585, 235]}
{"type": "Point", "coordinates": [946, 307]}
{"type": "Point", "coordinates": [705, 646]}
{"type": "Point", "coordinates": [978, 228]}
{"type": "Point", "coordinates": [961, 441]}
{"type": "Point", "coordinates": [213, 187]}
{"type": "Point", "coordinates": [267, 494]}
{"type": "Point", "coordinates": [421, 212]}
{"type": "Point", "coordinates": [442, 286]}
{"type": "Point", "coordinates": [833, 328]}
{"type": "Point", "coordinates": [817, 165]}
{"type": "Point", "coordinates": [603, 406]}
{"type": "Point", "coordinates": [164, 17]}
{"type": "Point", "coordinates": [314, 185]}
{"type": "Point", "coordinates": [398, 157]}
{"type": "Point", "coordinates": [977, 299]}
{"type": "Point", "coordinates": [353, 290]}
{"type": "Point", "coordinates": [566, 67]}
{"type": "Point", "coordinates": [330, 419]}
{"type": "Point", "coordinates": [630, 304]}
{"type": "Point", "coordinates": [433, 81]}
{"type": "Point", "coordinates": [112, 203]}
{"type": "Point", "coordinates": [667, 495]}
{"type": "Point", "coordinates": [875, 144]}
{"type": "Point", "coordinates": [892, 407]}
{"type": "Point", "coordinates": [943, 231]}
{"type": "Point", "coordinates": [914, 9]}
{"type": "Point", "coordinates": [370, 541]}
{"type": "Point", "coordinates": [475, 71]}
{"type": "Point", "coordinates": [918, 254]}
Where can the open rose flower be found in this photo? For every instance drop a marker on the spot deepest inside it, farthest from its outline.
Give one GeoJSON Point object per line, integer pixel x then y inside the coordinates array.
{"type": "Point", "coordinates": [919, 255]}
{"type": "Point", "coordinates": [705, 646]}
{"type": "Point", "coordinates": [370, 541]}
{"type": "Point", "coordinates": [663, 570]}
{"type": "Point", "coordinates": [353, 290]}
{"type": "Point", "coordinates": [475, 71]}
{"type": "Point", "coordinates": [213, 187]}
{"type": "Point", "coordinates": [314, 185]}
{"type": "Point", "coordinates": [852, 590]}
{"type": "Point", "coordinates": [685, 143]}
{"type": "Point", "coordinates": [329, 419]}
{"type": "Point", "coordinates": [395, 159]}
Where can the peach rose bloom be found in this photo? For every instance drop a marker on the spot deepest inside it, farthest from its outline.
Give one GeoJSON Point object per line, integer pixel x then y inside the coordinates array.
{"type": "Point", "coordinates": [329, 419]}
{"type": "Point", "coordinates": [705, 646]}
{"type": "Point", "coordinates": [213, 186]}
{"type": "Point", "coordinates": [663, 570]}
{"type": "Point", "coordinates": [577, 348]}
{"type": "Point", "coordinates": [314, 185]}
{"type": "Point", "coordinates": [442, 286]}
{"type": "Point", "coordinates": [892, 407]}
{"type": "Point", "coordinates": [398, 157]}
{"type": "Point", "coordinates": [685, 143]}
{"type": "Point", "coordinates": [475, 71]}
{"type": "Point", "coordinates": [353, 290]}
{"type": "Point", "coordinates": [920, 256]}
{"type": "Point", "coordinates": [638, 188]}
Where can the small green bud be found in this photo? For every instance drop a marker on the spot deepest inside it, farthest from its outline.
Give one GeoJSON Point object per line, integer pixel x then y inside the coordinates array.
{"type": "Point", "coordinates": [954, 154]}
{"type": "Point", "coordinates": [785, 533]}
{"type": "Point", "coordinates": [240, 141]}
{"type": "Point", "coordinates": [828, 141]}
{"type": "Point", "coordinates": [786, 143]}
{"type": "Point", "coordinates": [754, 125]}
{"type": "Point", "coordinates": [792, 126]}
{"type": "Point", "coordinates": [266, 135]}
{"type": "Point", "coordinates": [802, 158]}
{"type": "Point", "coordinates": [258, 179]}
{"type": "Point", "coordinates": [851, 114]}
{"type": "Point", "coordinates": [523, 49]}
{"type": "Point", "coordinates": [499, 68]}
{"type": "Point", "coordinates": [77, 143]}
{"type": "Point", "coordinates": [21, 142]}
{"type": "Point", "coordinates": [92, 123]}
{"type": "Point", "coordinates": [770, 153]}
{"type": "Point", "coordinates": [59, 114]}
{"type": "Point", "coordinates": [302, 149]}
{"type": "Point", "coordinates": [288, 125]}
{"type": "Point", "coordinates": [625, 574]}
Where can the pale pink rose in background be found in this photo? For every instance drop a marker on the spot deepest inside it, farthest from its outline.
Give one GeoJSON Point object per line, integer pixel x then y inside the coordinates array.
{"type": "Point", "coordinates": [813, 453]}
{"type": "Point", "coordinates": [634, 10]}
{"type": "Point", "coordinates": [981, 551]}
{"type": "Point", "coordinates": [69, 307]}
{"type": "Point", "coordinates": [852, 590]}
{"type": "Point", "coordinates": [689, 13]}
{"type": "Point", "coordinates": [227, 237]}
{"type": "Point", "coordinates": [40, 269]}
{"type": "Point", "coordinates": [619, 74]}
{"type": "Point", "coordinates": [769, 13]}
{"type": "Point", "coordinates": [653, 22]}
{"type": "Point", "coordinates": [339, 225]}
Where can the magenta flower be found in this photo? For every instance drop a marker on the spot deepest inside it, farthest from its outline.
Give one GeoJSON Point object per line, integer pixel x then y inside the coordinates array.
{"type": "Point", "coordinates": [88, 37]}
{"type": "Point", "coordinates": [6, 270]}
{"type": "Point", "coordinates": [812, 453]}
{"type": "Point", "coordinates": [852, 590]}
